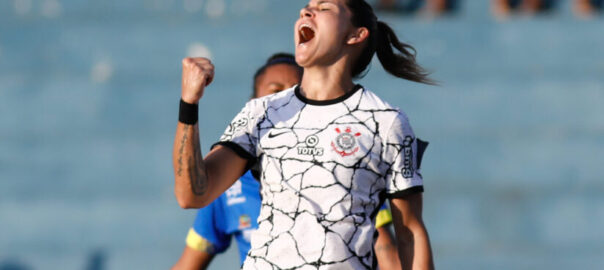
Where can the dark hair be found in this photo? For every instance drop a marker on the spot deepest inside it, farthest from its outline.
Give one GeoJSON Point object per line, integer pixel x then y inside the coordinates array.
{"type": "Point", "coordinates": [381, 40]}
{"type": "Point", "coordinates": [275, 59]}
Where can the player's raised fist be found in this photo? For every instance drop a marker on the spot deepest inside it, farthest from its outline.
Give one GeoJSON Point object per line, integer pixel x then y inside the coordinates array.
{"type": "Point", "coordinates": [197, 73]}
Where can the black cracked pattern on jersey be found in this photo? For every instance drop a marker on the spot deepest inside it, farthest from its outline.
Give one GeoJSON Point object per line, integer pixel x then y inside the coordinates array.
{"type": "Point", "coordinates": [364, 164]}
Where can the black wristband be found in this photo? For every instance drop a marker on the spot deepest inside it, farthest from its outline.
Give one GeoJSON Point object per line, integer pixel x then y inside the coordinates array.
{"type": "Point", "coordinates": [188, 113]}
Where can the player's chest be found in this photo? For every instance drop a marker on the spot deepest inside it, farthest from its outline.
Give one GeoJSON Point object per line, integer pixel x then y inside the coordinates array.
{"type": "Point", "coordinates": [344, 141]}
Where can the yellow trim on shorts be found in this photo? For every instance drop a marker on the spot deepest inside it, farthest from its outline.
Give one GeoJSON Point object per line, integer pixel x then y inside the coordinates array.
{"type": "Point", "coordinates": [196, 242]}
{"type": "Point", "coordinates": [383, 217]}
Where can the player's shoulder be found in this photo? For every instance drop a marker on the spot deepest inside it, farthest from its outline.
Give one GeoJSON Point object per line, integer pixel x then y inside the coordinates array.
{"type": "Point", "coordinates": [259, 106]}
{"type": "Point", "coordinates": [274, 99]}
{"type": "Point", "coordinates": [372, 101]}
{"type": "Point", "coordinates": [384, 111]}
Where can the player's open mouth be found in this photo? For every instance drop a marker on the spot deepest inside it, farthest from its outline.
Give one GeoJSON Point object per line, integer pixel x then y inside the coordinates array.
{"type": "Point", "coordinates": [305, 33]}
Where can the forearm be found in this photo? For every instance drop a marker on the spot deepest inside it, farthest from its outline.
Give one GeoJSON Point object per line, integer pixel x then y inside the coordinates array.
{"type": "Point", "coordinates": [414, 248]}
{"type": "Point", "coordinates": [191, 180]}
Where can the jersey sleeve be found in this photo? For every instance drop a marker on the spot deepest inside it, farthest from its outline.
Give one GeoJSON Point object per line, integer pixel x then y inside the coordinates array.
{"type": "Point", "coordinates": [241, 134]}
{"type": "Point", "coordinates": [403, 153]}
{"type": "Point", "coordinates": [384, 217]}
{"type": "Point", "coordinates": [206, 234]}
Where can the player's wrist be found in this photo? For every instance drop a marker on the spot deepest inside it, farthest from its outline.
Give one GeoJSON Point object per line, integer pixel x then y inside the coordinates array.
{"type": "Point", "coordinates": [188, 113]}
{"type": "Point", "coordinates": [190, 98]}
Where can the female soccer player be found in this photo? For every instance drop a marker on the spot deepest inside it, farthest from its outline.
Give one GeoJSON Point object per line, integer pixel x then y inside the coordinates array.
{"type": "Point", "coordinates": [234, 213]}
{"type": "Point", "coordinates": [330, 152]}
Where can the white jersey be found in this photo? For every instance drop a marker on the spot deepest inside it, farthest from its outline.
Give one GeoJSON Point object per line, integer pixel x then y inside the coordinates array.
{"type": "Point", "coordinates": [327, 167]}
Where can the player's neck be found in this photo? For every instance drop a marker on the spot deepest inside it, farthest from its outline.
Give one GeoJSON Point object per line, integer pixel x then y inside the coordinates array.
{"type": "Point", "coordinates": [325, 83]}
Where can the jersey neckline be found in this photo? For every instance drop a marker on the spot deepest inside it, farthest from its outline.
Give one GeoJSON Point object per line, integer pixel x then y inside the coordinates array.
{"type": "Point", "coordinates": [329, 101]}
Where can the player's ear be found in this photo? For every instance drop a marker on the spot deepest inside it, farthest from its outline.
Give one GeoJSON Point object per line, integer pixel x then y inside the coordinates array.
{"type": "Point", "coordinates": [357, 36]}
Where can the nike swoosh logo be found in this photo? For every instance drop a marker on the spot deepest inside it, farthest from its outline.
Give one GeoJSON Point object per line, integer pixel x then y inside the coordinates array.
{"type": "Point", "coordinates": [273, 135]}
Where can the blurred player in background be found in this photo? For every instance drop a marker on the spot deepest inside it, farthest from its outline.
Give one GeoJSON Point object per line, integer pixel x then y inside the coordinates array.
{"type": "Point", "coordinates": [505, 8]}
{"type": "Point", "coordinates": [433, 7]}
{"type": "Point", "coordinates": [588, 8]}
{"type": "Point", "coordinates": [234, 213]}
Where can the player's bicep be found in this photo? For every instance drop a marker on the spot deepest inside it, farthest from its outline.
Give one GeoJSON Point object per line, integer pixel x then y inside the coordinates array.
{"type": "Point", "coordinates": [223, 167]}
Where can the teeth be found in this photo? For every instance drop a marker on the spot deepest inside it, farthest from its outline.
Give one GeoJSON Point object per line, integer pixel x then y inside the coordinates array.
{"type": "Point", "coordinates": [304, 25]}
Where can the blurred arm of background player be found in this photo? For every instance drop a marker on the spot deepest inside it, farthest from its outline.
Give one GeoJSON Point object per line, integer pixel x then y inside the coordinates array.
{"type": "Point", "coordinates": [385, 248]}
{"type": "Point", "coordinates": [193, 259]}
{"type": "Point", "coordinates": [411, 235]}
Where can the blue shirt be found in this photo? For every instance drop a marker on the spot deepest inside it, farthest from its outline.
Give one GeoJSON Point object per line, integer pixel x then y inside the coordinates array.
{"type": "Point", "coordinates": [234, 213]}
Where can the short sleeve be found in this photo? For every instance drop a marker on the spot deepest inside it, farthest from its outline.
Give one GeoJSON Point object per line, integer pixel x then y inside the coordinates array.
{"type": "Point", "coordinates": [206, 234]}
{"type": "Point", "coordinates": [403, 153]}
{"type": "Point", "coordinates": [241, 134]}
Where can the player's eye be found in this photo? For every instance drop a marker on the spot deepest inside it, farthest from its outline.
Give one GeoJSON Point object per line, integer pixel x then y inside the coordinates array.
{"type": "Point", "coordinates": [276, 90]}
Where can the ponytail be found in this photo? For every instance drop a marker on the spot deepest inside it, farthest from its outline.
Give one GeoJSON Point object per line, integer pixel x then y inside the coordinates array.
{"type": "Point", "coordinates": [382, 39]}
{"type": "Point", "coordinates": [401, 65]}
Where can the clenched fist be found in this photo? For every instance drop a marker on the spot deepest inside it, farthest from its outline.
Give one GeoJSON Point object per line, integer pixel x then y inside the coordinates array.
{"type": "Point", "coordinates": [197, 73]}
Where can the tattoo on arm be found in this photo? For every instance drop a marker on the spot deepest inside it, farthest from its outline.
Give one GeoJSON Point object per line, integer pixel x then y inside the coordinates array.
{"type": "Point", "coordinates": [195, 164]}
{"type": "Point", "coordinates": [181, 149]}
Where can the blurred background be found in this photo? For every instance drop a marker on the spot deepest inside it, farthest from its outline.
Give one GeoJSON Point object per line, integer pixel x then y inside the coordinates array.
{"type": "Point", "coordinates": [89, 96]}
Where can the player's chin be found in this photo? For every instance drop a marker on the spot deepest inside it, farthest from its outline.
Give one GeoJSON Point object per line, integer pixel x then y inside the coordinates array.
{"type": "Point", "coordinates": [304, 56]}
{"type": "Point", "coordinates": [302, 59]}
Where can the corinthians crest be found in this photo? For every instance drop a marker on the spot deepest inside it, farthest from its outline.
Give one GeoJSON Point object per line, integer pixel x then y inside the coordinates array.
{"type": "Point", "coordinates": [345, 143]}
